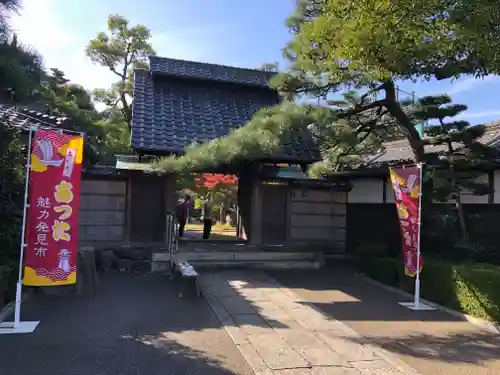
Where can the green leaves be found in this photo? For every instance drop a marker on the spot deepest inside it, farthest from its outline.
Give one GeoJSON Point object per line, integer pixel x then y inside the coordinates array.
{"type": "Point", "coordinates": [398, 40]}
{"type": "Point", "coordinates": [260, 137]}
{"type": "Point", "coordinates": [121, 50]}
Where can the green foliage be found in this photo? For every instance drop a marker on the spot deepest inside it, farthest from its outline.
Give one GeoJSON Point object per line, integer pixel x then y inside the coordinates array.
{"type": "Point", "coordinates": [20, 76]}
{"type": "Point", "coordinates": [20, 71]}
{"type": "Point", "coordinates": [260, 137]}
{"type": "Point", "coordinates": [12, 161]}
{"type": "Point", "coordinates": [121, 50]}
{"type": "Point", "coordinates": [456, 169]}
{"type": "Point", "coordinates": [6, 7]}
{"type": "Point", "coordinates": [366, 40]}
{"type": "Point", "coordinates": [454, 172]}
{"type": "Point", "coordinates": [102, 137]}
{"type": "Point", "coordinates": [346, 141]}
{"type": "Point", "coordinates": [369, 45]}
{"type": "Point", "coordinates": [471, 288]}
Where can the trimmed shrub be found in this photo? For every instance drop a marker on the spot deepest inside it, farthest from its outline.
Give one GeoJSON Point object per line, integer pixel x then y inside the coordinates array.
{"type": "Point", "coordinates": [471, 288]}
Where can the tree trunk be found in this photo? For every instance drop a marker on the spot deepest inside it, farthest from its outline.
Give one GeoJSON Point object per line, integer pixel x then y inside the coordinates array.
{"type": "Point", "coordinates": [397, 112]}
{"type": "Point", "coordinates": [456, 192]}
{"type": "Point", "coordinates": [461, 217]}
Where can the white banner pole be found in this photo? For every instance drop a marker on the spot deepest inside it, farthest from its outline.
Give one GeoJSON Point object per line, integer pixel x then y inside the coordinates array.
{"type": "Point", "coordinates": [17, 326]}
{"type": "Point", "coordinates": [17, 311]}
{"type": "Point", "coordinates": [416, 304]}
{"type": "Point", "coordinates": [417, 277]}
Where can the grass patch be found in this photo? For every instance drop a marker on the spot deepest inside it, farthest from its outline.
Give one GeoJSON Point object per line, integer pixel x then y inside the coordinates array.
{"type": "Point", "coordinates": [223, 226]}
{"type": "Point", "coordinates": [471, 288]}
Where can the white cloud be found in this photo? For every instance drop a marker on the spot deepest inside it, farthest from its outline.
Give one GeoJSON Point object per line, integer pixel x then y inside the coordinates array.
{"type": "Point", "coordinates": [39, 25]}
{"type": "Point", "coordinates": [480, 114]}
{"type": "Point", "coordinates": [468, 84]}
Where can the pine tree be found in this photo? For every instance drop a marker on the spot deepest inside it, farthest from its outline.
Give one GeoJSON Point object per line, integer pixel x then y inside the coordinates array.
{"type": "Point", "coordinates": [454, 170]}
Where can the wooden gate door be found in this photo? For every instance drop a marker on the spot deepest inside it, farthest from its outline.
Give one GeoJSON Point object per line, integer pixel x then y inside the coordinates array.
{"type": "Point", "coordinates": [274, 214]}
{"type": "Point", "coordinates": [148, 209]}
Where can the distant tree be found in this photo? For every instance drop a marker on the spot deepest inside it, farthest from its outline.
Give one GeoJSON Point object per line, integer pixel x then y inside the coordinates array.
{"type": "Point", "coordinates": [223, 188]}
{"type": "Point", "coordinates": [456, 169]}
{"type": "Point", "coordinates": [121, 50]}
{"type": "Point", "coordinates": [21, 71]}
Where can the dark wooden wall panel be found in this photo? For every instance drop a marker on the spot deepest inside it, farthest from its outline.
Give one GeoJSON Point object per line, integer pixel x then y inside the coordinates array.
{"type": "Point", "coordinates": [274, 214]}
{"type": "Point", "coordinates": [147, 208]}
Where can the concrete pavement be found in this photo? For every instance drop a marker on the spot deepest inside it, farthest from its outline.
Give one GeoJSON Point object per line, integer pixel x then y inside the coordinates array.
{"type": "Point", "coordinates": [432, 342]}
{"type": "Point", "coordinates": [133, 325]}
{"type": "Point", "coordinates": [280, 335]}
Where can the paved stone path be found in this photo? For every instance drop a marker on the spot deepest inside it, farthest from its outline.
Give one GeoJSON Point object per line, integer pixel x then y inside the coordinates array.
{"type": "Point", "coordinates": [278, 335]}
{"type": "Point", "coordinates": [432, 342]}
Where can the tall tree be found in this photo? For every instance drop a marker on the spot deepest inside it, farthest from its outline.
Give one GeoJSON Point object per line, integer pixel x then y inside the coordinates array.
{"type": "Point", "coordinates": [346, 141]}
{"type": "Point", "coordinates": [7, 7]}
{"type": "Point", "coordinates": [455, 171]}
{"type": "Point", "coordinates": [21, 72]}
{"type": "Point", "coordinates": [121, 50]}
{"type": "Point", "coordinates": [74, 101]}
{"type": "Point", "coordinates": [371, 44]}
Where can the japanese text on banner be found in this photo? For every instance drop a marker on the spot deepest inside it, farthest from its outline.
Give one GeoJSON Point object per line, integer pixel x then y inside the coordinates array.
{"type": "Point", "coordinates": [407, 189]}
{"type": "Point", "coordinates": [52, 222]}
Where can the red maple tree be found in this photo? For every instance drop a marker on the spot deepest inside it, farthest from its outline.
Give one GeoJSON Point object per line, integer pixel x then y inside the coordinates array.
{"type": "Point", "coordinates": [212, 180]}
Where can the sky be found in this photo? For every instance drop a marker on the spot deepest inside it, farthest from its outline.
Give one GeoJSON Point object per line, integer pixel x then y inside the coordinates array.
{"type": "Point", "coordinates": [237, 33]}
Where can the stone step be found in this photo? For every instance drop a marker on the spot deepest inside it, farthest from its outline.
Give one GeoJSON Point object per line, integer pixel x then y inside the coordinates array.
{"type": "Point", "coordinates": [221, 264]}
{"type": "Point", "coordinates": [245, 256]}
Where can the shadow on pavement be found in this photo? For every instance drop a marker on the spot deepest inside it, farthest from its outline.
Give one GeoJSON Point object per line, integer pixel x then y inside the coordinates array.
{"type": "Point", "coordinates": [345, 297]}
{"type": "Point", "coordinates": [472, 348]}
{"type": "Point", "coordinates": [433, 342]}
{"type": "Point", "coordinates": [132, 325]}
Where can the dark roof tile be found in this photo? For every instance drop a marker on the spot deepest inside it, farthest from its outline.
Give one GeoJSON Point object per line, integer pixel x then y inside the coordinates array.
{"type": "Point", "coordinates": [400, 151]}
{"type": "Point", "coordinates": [198, 70]}
{"type": "Point", "coordinates": [170, 113]}
{"type": "Point", "coordinates": [30, 116]}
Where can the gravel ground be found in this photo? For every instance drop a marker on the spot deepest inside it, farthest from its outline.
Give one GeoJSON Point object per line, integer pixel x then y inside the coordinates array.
{"type": "Point", "coordinates": [132, 325]}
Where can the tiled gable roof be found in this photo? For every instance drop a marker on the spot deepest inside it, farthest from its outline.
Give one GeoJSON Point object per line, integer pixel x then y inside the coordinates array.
{"type": "Point", "coordinates": [198, 70]}
{"type": "Point", "coordinates": [400, 151]}
{"type": "Point", "coordinates": [29, 117]}
{"type": "Point", "coordinates": [171, 111]}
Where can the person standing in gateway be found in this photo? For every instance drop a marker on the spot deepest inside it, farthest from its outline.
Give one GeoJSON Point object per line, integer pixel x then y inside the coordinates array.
{"type": "Point", "coordinates": [182, 214]}
{"type": "Point", "coordinates": [207, 216]}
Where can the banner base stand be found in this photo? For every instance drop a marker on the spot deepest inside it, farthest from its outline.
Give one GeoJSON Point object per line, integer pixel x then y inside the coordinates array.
{"type": "Point", "coordinates": [420, 307]}
{"type": "Point", "coordinates": [7, 328]}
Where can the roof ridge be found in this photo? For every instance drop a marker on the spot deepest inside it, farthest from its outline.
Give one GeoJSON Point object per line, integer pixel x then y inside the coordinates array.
{"type": "Point", "coordinates": [255, 70]}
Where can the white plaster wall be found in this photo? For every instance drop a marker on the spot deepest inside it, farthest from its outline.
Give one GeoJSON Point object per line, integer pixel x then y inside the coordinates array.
{"type": "Point", "coordinates": [366, 190]}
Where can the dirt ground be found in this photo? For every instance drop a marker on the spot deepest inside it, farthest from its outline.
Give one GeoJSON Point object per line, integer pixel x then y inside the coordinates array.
{"type": "Point", "coordinates": [432, 342]}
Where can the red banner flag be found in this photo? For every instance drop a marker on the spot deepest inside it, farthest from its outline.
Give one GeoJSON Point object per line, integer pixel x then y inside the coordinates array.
{"type": "Point", "coordinates": [406, 183]}
{"type": "Point", "coordinates": [54, 199]}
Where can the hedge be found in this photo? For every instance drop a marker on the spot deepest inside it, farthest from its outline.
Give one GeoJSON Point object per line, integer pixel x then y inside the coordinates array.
{"type": "Point", "coordinates": [471, 288]}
